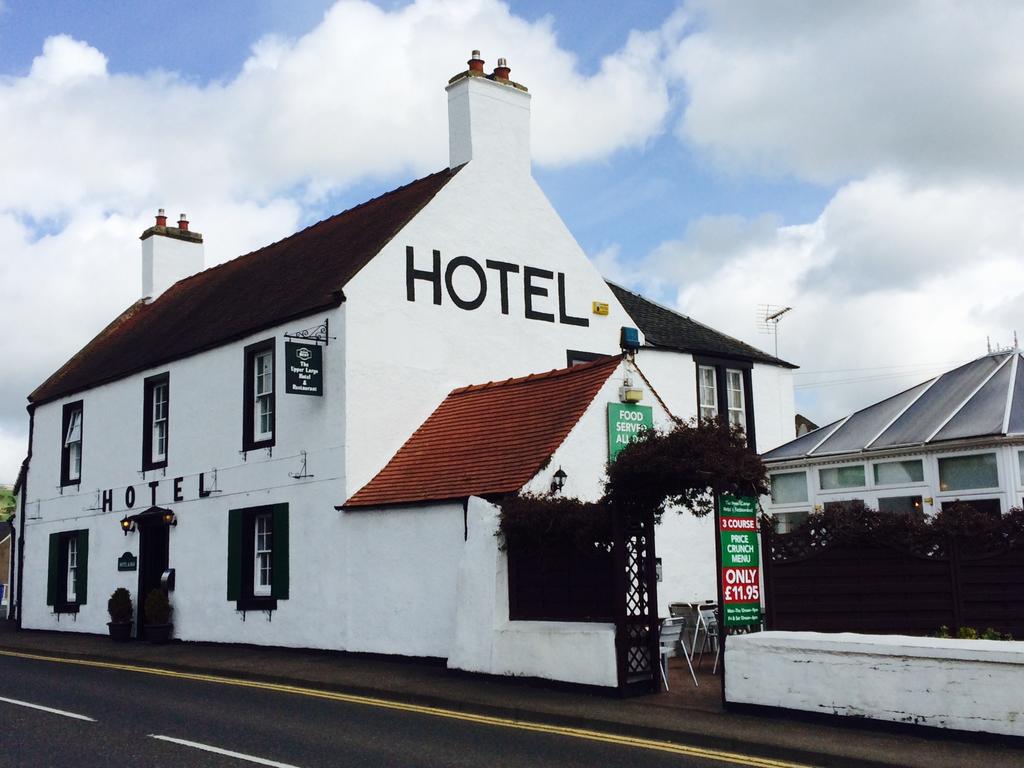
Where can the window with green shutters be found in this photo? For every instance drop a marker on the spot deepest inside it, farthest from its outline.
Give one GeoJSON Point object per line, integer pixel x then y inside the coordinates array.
{"type": "Point", "coordinates": [257, 554]}
{"type": "Point", "coordinates": [67, 579]}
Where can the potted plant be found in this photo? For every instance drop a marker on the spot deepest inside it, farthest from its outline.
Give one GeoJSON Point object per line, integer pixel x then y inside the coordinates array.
{"type": "Point", "coordinates": [158, 617]}
{"type": "Point", "coordinates": [119, 606]}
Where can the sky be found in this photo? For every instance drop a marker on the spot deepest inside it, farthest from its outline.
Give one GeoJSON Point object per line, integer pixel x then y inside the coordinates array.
{"type": "Point", "coordinates": [858, 162]}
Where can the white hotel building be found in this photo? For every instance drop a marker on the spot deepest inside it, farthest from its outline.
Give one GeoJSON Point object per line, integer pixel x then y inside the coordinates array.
{"type": "Point", "coordinates": [184, 421]}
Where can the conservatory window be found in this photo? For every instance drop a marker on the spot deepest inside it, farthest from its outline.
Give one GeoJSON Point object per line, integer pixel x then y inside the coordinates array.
{"type": "Point", "coordinates": [959, 473]}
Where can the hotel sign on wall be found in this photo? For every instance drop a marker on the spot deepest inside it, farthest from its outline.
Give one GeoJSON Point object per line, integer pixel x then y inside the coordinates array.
{"type": "Point", "coordinates": [625, 423]}
{"type": "Point", "coordinates": [741, 571]}
{"type": "Point", "coordinates": [304, 369]}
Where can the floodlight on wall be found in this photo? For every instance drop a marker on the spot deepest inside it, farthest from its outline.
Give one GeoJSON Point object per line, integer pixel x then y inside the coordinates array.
{"type": "Point", "coordinates": [127, 525]}
{"type": "Point", "coordinates": [169, 518]}
{"type": "Point", "coordinates": [630, 393]}
{"type": "Point", "coordinates": [558, 481]}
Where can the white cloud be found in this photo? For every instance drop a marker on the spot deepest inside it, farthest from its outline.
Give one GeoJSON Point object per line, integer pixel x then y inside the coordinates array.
{"type": "Point", "coordinates": [361, 95]}
{"type": "Point", "coordinates": [13, 449]}
{"type": "Point", "coordinates": [891, 273]}
{"type": "Point", "coordinates": [829, 91]}
{"type": "Point", "coordinates": [90, 155]}
{"type": "Point", "coordinates": [65, 61]}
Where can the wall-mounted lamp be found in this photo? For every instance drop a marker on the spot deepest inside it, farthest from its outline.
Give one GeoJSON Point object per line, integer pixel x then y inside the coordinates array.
{"type": "Point", "coordinates": [629, 339]}
{"type": "Point", "coordinates": [128, 526]}
{"type": "Point", "coordinates": [558, 481]}
{"type": "Point", "coordinates": [170, 518]}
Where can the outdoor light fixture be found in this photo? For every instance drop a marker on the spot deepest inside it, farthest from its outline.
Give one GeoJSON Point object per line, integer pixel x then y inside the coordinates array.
{"type": "Point", "coordinates": [629, 339]}
{"type": "Point", "coordinates": [127, 525]}
{"type": "Point", "coordinates": [170, 518]}
{"type": "Point", "coordinates": [558, 481]}
{"type": "Point", "coordinates": [628, 393]}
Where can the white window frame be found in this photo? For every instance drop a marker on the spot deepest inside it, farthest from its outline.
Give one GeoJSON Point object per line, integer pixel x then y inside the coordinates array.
{"type": "Point", "coordinates": [703, 388]}
{"type": "Point", "coordinates": [263, 555]}
{"type": "Point", "coordinates": [846, 489]}
{"type": "Point", "coordinates": [158, 451]}
{"type": "Point", "coordinates": [73, 444]}
{"type": "Point", "coordinates": [71, 594]}
{"type": "Point", "coordinates": [787, 506]}
{"type": "Point", "coordinates": [263, 390]}
{"type": "Point", "coordinates": [737, 414]}
{"type": "Point", "coordinates": [987, 492]}
{"type": "Point", "coordinates": [906, 484]}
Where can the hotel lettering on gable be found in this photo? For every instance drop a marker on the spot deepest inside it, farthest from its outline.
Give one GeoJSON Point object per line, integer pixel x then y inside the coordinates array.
{"type": "Point", "coordinates": [307, 430]}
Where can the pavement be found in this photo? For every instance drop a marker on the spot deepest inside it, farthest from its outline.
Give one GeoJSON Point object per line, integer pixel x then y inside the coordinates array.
{"type": "Point", "coordinates": [685, 714]}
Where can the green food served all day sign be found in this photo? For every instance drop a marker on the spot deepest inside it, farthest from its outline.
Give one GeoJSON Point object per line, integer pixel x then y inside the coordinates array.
{"type": "Point", "coordinates": [741, 562]}
{"type": "Point", "coordinates": [625, 423]}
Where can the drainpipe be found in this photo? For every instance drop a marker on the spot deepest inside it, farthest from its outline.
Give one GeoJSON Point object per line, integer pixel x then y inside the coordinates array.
{"type": "Point", "coordinates": [21, 534]}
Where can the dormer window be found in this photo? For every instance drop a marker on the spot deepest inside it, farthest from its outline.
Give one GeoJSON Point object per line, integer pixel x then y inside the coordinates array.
{"type": "Point", "coordinates": [724, 391]}
{"type": "Point", "coordinates": [707, 391]}
{"type": "Point", "coordinates": [71, 448]}
{"type": "Point", "coordinates": [737, 400]}
{"type": "Point", "coordinates": [258, 400]}
{"type": "Point", "coordinates": [156, 421]}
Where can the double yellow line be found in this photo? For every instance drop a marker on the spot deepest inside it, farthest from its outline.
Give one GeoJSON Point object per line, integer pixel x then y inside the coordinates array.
{"type": "Point", "coordinates": [500, 722]}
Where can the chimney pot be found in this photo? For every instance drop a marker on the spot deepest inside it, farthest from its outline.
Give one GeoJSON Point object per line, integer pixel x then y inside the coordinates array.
{"type": "Point", "coordinates": [182, 222]}
{"type": "Point", "coordinates": [501, 72]}
{"type": "Point", "coordinates": [476, 64]}
{"type": "Point", "coordinates": [161, 218]}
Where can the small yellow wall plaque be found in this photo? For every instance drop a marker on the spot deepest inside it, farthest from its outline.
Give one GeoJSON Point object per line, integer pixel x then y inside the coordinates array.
{"type": "Point", "coordinates": [600, 308]}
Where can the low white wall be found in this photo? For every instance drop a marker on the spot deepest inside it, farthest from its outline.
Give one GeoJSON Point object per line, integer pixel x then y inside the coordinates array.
{"type": "Point", "coordinates": [970, 685]}
{"type": "Point", "coordinates": [486, 641]}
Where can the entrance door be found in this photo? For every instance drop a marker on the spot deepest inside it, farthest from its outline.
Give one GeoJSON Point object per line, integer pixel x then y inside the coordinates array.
{"type": "Point", "coordinates": [154, 547]}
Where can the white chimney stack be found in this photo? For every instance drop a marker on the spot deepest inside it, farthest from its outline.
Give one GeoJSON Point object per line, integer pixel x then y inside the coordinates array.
{"type": "Point", "coordinates": [488, 118]}
{"type": "Point", "coordinates": [168, 255]}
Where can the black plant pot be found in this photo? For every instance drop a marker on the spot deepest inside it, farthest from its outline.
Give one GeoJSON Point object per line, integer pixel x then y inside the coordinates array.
{"type": "Point", "coordinates": [158, 633]}
{"type": "Point", "coordinates": [121, 631]}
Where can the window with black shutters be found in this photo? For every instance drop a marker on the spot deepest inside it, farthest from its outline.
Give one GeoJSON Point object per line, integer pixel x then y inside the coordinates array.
{"type": "Point", "coordinates": [67, 581]}
{"type": "Point", "coordinates": [258, 556]}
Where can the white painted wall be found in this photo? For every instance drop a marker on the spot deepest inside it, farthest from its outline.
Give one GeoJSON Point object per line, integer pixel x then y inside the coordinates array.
{"type": "Point", "coordinates": [166, 260]}
{"type": "Point", "coordinates": [486, 641]}
{"type": "Point", "coordinates": [685, 544]}
{"type": "Point", "coordinates": [1009, 491]}
{"type": "Point", "coordinates": [970, 685]}
{"type": "Point", "coordinates": [205, 436]}
{"type": "Point", "coordinates": [405, 357]}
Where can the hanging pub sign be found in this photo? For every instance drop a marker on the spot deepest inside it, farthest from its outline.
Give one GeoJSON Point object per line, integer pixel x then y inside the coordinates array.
{"type": "Point", "coordinates": [304, 369]}
{"type": "Point", "coordinates": [625, 423]}
{"type": "Point", "coordinates": [127, 562]}
{"type": "Point", "coordinates": [741, 563]}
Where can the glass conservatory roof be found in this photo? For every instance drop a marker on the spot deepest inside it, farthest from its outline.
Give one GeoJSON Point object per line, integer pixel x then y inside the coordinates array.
{"type": "Point", "coordinates": [982, 398]}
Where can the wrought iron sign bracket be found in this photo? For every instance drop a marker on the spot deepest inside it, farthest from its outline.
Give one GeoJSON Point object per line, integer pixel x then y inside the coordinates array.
{"type": "Point", "coordinates": [319, 334]}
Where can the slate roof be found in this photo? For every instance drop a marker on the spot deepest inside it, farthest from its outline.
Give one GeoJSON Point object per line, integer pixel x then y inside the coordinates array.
{"type": "Point", "coordinates": [663, 327]}
{"type": "Point", "coordinates": [295, 277]}
{"type": "Point", "coordinates": [982, 398]}
{"type": "Point", "coordinates": [487, 439]}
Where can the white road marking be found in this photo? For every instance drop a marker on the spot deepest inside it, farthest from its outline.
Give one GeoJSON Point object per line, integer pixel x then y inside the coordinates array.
{"type": "Point", "coordinates": [219, 751]}
{"type": "Point", "coordinates": [52, 711]}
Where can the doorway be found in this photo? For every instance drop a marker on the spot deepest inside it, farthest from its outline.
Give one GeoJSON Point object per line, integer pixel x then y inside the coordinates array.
{"type": "Point", "coordinates": [154, 551]}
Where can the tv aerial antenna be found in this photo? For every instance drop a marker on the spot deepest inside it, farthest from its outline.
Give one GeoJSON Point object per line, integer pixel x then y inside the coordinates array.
{"type": "Point", "coordinates": [768, 316]}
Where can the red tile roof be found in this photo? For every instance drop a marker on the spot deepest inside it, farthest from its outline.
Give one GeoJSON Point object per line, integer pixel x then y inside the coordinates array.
{"type": "Point", "coordinates": [487, 439]}
{"type": "Point", "coordinates": [292, 278]}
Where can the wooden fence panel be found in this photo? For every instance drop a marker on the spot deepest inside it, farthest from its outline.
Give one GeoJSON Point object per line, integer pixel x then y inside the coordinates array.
{"type": "Point", "coordinates": [878, 590]}
{"type": "Point", "coordinates": [992, 591]}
